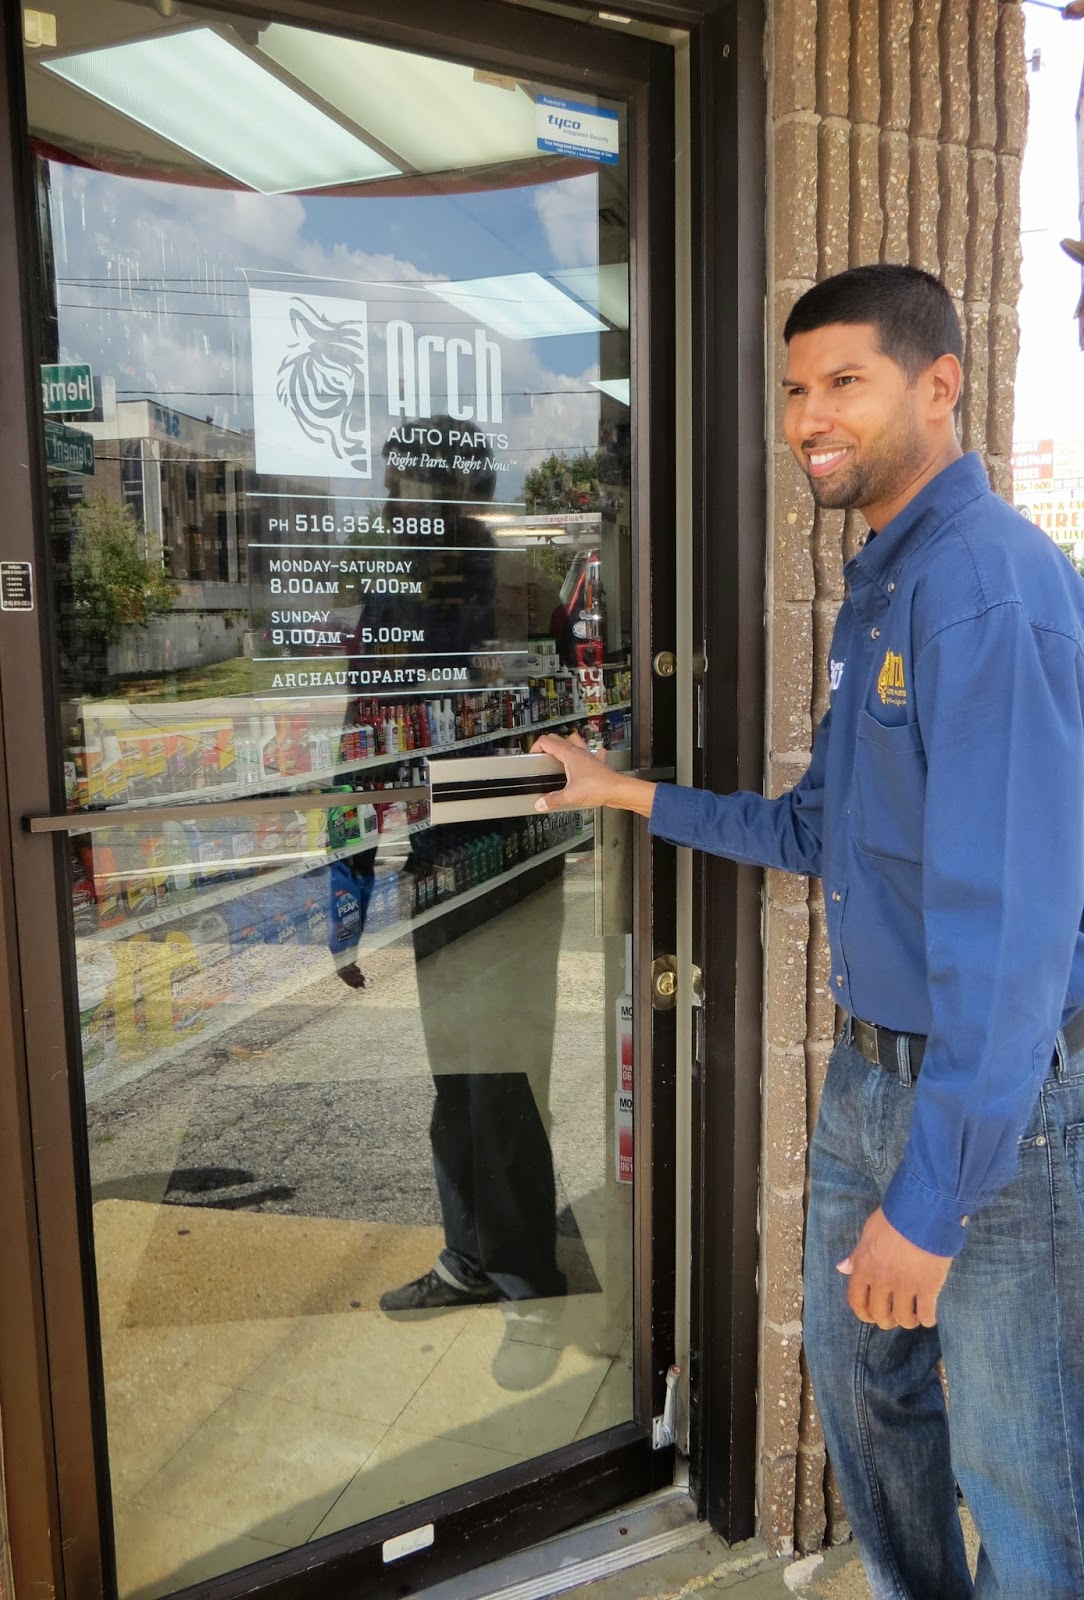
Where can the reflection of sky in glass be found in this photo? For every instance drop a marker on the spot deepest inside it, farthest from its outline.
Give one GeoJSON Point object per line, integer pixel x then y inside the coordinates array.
{"type": "Point", "coordinates": [152, 285]}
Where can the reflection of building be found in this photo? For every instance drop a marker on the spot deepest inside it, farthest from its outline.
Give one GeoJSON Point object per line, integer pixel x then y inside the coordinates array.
{"type": "Point", "coordinates": [181, 475]}
{"type": "Point", "coordinates": [1080, 170]}
{"type": "Point", "coordinates": [1048, 488]}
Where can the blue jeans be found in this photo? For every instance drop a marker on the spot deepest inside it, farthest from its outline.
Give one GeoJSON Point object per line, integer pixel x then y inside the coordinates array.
{"type": "Point", "coordinates": [1011, 1332]}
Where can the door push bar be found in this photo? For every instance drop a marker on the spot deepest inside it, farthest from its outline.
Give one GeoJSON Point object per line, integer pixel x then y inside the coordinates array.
{"type": "Point", "coordinates": [76, 822]}
{"type": "Point", "coordinates": [481, 788]}
{"type": "Point", "coordinates": [461, 789]}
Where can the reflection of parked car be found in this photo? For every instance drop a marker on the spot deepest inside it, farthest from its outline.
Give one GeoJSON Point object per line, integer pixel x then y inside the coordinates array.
{"type": "Point", "coordinates": [578, 624]}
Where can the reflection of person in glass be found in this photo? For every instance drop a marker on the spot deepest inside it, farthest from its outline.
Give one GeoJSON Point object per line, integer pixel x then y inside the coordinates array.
{"type": "Point", "coordinates": [488, 1023]}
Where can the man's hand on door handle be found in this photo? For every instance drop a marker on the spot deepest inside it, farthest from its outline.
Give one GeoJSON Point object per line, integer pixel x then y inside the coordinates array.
{"type": "Point", "coordinates": [589, 782]}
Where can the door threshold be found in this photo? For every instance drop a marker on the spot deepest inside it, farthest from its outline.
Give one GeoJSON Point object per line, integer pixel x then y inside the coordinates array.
{"type": "Point", "coordinates": [624, 1538]}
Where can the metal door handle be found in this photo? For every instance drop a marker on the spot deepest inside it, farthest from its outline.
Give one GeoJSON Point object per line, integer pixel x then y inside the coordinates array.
{"type": "Point", "coordinates": [481, 788]}
{"type": "Point", "coordinates": [150, 816]}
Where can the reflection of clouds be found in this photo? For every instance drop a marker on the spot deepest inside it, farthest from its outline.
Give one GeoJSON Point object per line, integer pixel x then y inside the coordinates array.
{"type": "Point", "coordinates": [342, 261]}
{"type": "Point", "coordinates": [562, 414]}
{"type": "Point", "coordinates": [153, 291]}
{"type": "Point", "coordinates": [568, 211]}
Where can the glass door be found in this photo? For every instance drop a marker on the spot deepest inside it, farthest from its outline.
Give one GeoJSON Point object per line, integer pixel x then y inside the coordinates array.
{"type": "Point", "coordinates": [341, 512]}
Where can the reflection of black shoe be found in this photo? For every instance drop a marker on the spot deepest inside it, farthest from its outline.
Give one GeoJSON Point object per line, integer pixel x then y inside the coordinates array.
{"type": "Point", "coordinates": [351, 975]}
{"type": "Point", "coordinates": [434, 1293]}
{"type": "Point", "coordinates": [531, 1348]}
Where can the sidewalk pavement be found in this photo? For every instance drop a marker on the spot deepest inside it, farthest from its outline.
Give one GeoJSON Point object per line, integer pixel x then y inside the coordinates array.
{"type": "Point", "coordinates": [708, 1568]}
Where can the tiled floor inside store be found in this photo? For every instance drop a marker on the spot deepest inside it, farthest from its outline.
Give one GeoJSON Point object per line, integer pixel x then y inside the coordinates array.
{"type": "Point", "coordinates": [257, 1398]}
{"type": "Point", "coordinates": [207, 1473]}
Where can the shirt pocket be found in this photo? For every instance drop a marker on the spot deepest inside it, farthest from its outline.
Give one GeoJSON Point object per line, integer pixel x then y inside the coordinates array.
{"type": "Point", "coordinates": [889, 789]}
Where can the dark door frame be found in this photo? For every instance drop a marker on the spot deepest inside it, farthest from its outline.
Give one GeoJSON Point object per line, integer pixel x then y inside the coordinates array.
{"type": "Point", "coordinates": [730, 277]}
{"type": "Point", "coordinates": [729, 114]}
{"type": "Point", "coordinates": [50, 1389]}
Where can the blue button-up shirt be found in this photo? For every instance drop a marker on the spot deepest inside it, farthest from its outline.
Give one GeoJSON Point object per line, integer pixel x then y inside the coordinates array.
{"type": "Point", "coordinates": [944, 809]}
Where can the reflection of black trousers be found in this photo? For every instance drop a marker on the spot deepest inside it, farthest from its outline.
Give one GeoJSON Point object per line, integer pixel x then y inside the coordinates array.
{"type": "Point", "coordinates": [494, 1174]}
{"type": "Point", "coordinates": [488, 1006]}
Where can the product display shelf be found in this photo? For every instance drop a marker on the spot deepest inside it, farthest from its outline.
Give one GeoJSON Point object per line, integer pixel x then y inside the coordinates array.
{"type": "Point", "coordinates": [114, 1075]}
{"type": "Point", "coordinates": [340, 770]}
{"type": "Point", "coordinates": [205, 898]}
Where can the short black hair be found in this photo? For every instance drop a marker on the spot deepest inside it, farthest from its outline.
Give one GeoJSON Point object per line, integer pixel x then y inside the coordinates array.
{"type": "Point", "coordinates": [912, 311]}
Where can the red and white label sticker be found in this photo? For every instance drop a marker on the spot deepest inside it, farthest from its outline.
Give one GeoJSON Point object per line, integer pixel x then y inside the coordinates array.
{"type": "Point", "coordinates": [623, 1094]}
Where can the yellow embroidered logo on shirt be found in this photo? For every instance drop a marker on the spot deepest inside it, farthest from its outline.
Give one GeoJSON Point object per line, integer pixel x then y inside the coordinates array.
{"type": "Point", "coordinates": [890, 684]}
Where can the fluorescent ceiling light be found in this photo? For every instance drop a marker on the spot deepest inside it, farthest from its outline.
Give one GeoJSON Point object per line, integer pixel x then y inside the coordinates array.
{"type": "Point", "coordinates": [616, 388]}
{"type": "Point", "coordinates": [435, 114]}
{"type": "Point", "coordinates": [522, 305]}
{"type": "Point", "coordinates": [606, 288]}
{"type": "Point", "coordinates": [198, 91]}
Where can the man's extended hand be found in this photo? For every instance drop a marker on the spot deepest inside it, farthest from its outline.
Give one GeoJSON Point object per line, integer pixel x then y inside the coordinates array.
{"type": "Point", "coordinates": [589, 781]}
{"type": "Point", "coordinates": [893, 1282]}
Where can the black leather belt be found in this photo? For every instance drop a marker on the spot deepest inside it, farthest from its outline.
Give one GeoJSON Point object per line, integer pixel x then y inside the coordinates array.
{"type": "Point", "coordinates": [881, 1046]}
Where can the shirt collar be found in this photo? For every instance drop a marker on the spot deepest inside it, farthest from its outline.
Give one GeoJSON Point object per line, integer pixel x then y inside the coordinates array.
{"type": "Point", "coordinates": [881, 559]}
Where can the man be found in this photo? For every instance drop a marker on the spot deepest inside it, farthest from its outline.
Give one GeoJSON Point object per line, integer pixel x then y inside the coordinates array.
{"type": "Point", "coordinates": [944, 809]}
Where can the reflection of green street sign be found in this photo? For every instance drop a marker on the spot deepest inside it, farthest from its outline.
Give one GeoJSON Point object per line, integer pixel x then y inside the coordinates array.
{"type": "Point", "coordinates": [66, 388]}
{"type": "Point", "coordinates": [69, 449]}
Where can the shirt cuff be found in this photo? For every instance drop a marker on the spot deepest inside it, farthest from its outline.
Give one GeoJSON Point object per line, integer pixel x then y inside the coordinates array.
{"type": "Point", "coordinates": [935, 1222]}
{"type": "Point", "coordinates": [674, 813]}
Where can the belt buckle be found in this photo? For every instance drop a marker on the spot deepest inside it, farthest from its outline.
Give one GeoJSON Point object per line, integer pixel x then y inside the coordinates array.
{"type": "Point", "coordinates": [873, 1042]}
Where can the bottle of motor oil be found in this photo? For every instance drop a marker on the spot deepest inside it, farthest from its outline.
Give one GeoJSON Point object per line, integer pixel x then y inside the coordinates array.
{"type": "Point", "coordinates": [311, 908]}
{"type": "Point", "coordinates": [100, 860]}
{"type": "Point", "coordinates": [209, 849]}
{"type": "Point", "coordinates": [84, 901]}
{"type": "Point", "coordinates": [114, 776]}
{"type": "Point", "coordinates": [180, 882]}
{"type": "Point", "coordinates": [270, 764]}
{"type": "Point", "coordinates": [344, 908]}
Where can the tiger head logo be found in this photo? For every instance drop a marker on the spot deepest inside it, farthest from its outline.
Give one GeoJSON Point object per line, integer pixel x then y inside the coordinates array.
{"type": "Point", "coordinates": [323, 381]}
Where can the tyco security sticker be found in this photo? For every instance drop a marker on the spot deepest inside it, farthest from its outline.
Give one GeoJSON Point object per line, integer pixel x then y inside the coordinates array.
{"type": "Point", "coordinates": [566, 128]}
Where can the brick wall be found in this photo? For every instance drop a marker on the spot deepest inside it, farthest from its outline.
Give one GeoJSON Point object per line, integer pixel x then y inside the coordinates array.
{"type": "Point", "coordinates": [896, 131]}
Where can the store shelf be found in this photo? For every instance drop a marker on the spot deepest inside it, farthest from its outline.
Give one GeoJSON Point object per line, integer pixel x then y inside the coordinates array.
{"type": "Point", "coordinates": [340, 770]}
{"type": "Point", "coordinates": [206, 898]}
{"type": "Point", "coordinates": [115, 1075]}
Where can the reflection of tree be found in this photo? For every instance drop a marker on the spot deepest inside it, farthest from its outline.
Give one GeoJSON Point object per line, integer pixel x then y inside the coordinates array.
{"type": "Point", "coordinates": [112, 582]}
{"type": "Point", "coordinates": [587, 481]}
{"type": "Point", "coordinates": [554, 561]}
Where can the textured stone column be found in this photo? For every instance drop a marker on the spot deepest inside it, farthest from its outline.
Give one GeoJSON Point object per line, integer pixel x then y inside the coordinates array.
{"type": "Point", "coordinates": [897, 128]}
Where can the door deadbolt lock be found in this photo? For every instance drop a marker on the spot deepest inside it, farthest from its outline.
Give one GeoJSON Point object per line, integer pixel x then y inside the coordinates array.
{"type": "Point", "coordinates": [665, 664]}
{"type": "Point", "coordinates": [664, 983]}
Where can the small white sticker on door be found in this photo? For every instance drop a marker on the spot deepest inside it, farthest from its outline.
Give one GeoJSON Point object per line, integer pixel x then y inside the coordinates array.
{"type": "Point", "coordinates": [564, 127]}
{"type": "Point", "coordinates": [407, 1544]}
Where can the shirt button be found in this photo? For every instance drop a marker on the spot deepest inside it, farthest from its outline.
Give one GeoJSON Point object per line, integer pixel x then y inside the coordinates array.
{"type": "Point", "coordinates": [836, 896]}
{"type": "Point", "coordinates": [839, 980]}
{"type": "Point", "coordinates": [892, 588]}
{"type": "Point", "coordinates": [875, 633]}
{"type": "Point", "coordinates": [1041, 1140]}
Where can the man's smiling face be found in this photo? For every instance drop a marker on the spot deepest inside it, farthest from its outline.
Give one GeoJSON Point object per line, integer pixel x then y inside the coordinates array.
{"type": "Point", "coordinates": [852, 418]}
